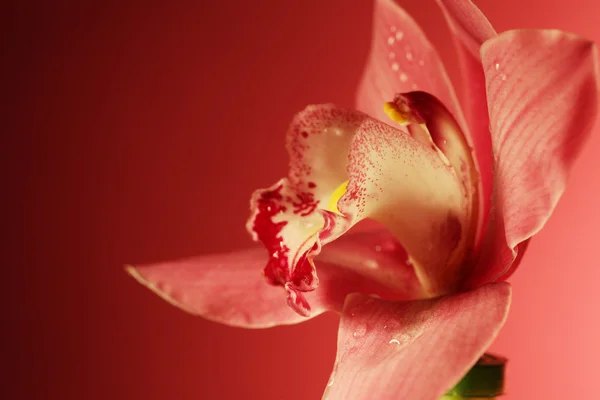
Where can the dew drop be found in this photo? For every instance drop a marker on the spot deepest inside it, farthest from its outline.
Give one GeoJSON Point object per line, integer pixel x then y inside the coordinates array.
{"type": "Point", "coordinates": [372, 264]}
{"type": "Point", "coordinates": [360, 331]}
{"type": "Point", "coordinates": [395, 67]}
{"type": "Point", "coordinates": [403, 77]}
{"type": "Point", "coordinates": [399, 35]}
{"type": "Point", "coordinates": [497, 66]}
{"type": "Point", "coordinates": [391, 40]}
{"type": "Point", "coordinates": [503, 76]}
{"type": "Point", "coordinates": [409, 56]}
{"type": "Point", "coordinates": [396, 341]}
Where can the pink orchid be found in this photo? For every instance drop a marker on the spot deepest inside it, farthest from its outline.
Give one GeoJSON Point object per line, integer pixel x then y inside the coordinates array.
{"type": "Point", "coordinates": [455, 199]}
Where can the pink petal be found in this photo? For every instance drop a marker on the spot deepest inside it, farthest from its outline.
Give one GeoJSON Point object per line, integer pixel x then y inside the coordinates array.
{"type": "Point", "coordinates": [226, 288]}
{"type": "Point", "coordinates": [468, 23]}
{"type": "Point", "coordinates": [401, 60]}
{"type": "Point", "coordinates": [230, 288]}
{"type": "Point", "coordinates": [470, 29]}
{"type": "Point", "coordinates": [542, 88]}
{"type": "Point", "coordinates": [413, 350]}
{"type": "Point", "coordinates": [369, 263]}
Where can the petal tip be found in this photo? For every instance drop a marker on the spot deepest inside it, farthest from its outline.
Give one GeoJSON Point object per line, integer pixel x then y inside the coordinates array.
{"type": "Point", "coordinates": [135, 274]}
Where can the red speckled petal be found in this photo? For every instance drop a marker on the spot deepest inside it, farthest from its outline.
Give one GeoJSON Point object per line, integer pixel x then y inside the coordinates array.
{"type": "Point", "coordinates": [413, 350]}
{"type": "Point", "coordinates": [401, 60]}
{"type": "Point", "coordinates": [542, 88]}
{"type": "Point", "coordinates": [393, 178]}
{"type": "Point", "coordinates": [405, 185]}
{"type": "Point", "coordinates": [230, 289]}
{"type": "Point", "coordinates": [291, 218]}
{"type": "Point", "coordinates": [470, 29]}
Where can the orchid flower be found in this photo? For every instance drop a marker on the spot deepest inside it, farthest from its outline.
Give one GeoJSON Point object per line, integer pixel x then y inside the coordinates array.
{"type": "Point", "coordinates": [453, 195]}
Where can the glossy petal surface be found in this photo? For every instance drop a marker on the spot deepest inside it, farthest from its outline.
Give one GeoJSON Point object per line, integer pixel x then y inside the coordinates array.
{"type": "Point", "coordinates": [413, 350]}
{"type": "Point", "coordinates": [542, 89]}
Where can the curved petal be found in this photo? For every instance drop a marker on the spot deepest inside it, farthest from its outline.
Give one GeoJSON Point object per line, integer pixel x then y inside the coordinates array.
{"type": "Point", "coordinates": [225, 288]}
{"type": "Point", "coordinates": [230, 289]}
{"type": "Point", "coordinates": [542, 88]}
{"type": "Point", "coordinates": [471, 29]}
{"type": "Point", "coordinates": [401, 60]}
{"type": "Point", "coordinates": [369, 263]}
{"type": "Point", "coordinates": [404, 184]}
{"type": "Point", "coordinates": [345, 167]}
{"type": "Point", "coordinates": [414, 350]}
{"type": "Point", "coordinates": [468, 23]}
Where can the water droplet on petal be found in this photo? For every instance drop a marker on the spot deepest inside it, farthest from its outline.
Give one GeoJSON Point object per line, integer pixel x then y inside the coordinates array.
{"type": "Point", "coordinates": [497, 66]}
{"type": "Point", "coordinates": [409, 56]}
{"type": "Point", "coordinates": [391, 40]}
{"type": "Point", "coordinates": [360, 331]}
{"type": "Point", "coordinates": [399, 35]}
{"type": "Point", "coordinates": [395, 67]}
{"type": "Point", "coordinates": [503, 76]}
{"type": "Point", "coordinates": [403, 77]}
{"type": "Point", "coordinates": [396, 341]}
{"type": "Point", "coordinates": [372, 264]}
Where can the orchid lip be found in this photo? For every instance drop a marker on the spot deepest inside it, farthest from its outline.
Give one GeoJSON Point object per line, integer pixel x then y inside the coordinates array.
{"type": "Point", "coordinates": [346, 167]}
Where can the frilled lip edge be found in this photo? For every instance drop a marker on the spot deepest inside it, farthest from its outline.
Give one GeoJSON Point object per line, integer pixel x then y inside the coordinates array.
{"type": "Point", "coordinates": [296, 274]}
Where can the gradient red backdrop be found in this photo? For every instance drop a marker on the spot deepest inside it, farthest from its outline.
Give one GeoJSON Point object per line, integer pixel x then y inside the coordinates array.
{"type": "Point", "coordinates": [136, 132]}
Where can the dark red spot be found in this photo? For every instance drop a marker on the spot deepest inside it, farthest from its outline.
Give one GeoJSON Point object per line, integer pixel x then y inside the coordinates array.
{"type": "Point", "coordinates": [451, 230]}
{"type": "Point", "coordinates": [269, 233]}
{"type": "Point", "coordinates": [312, 185]}
{"type": "Point", "coordinates": [304, 134]}
{"type": "Point", "coordinates": [305, 204]}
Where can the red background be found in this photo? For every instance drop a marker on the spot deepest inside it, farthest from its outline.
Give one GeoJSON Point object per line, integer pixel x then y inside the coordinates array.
{"type": "Point", "coordinates": [136, 132]}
